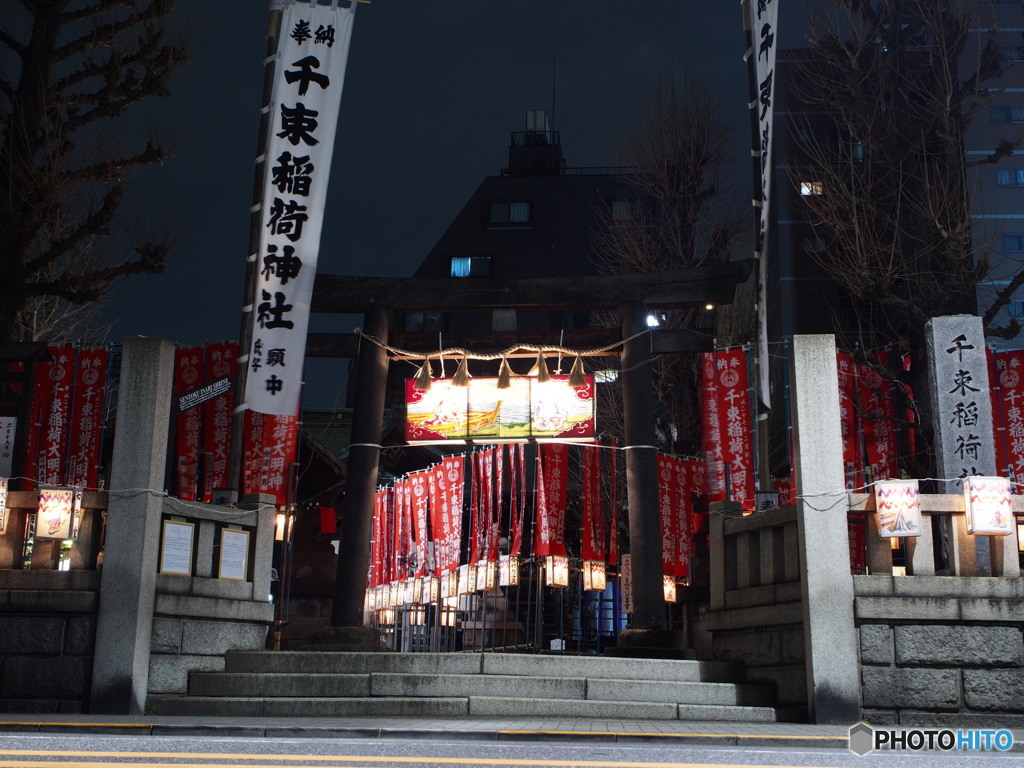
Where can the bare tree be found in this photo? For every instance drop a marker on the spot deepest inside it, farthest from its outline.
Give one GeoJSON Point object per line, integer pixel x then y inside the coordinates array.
{"type": "Point", "coordinates": [889, 191]}
{"type": "Point", "coordinates": [681, 212]}
{"type": "Point", "coordinates": [69, 71]}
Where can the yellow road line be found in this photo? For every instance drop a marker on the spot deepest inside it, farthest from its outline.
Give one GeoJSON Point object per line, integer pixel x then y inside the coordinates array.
{"type": "Point", "coordinates": [422, 761]}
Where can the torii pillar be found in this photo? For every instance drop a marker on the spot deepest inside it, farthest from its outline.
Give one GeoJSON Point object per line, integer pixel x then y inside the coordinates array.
{"type": "Point", "coordinates": [647, 634]}
{"type": "Point", "coordinates": [347, 631]}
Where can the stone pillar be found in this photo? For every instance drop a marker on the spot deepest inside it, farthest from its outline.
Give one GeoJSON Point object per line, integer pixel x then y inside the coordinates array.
{"type": "Point", "coordinates": [347, 631]}
{"type": "Point", "coordinates": [962, 421]}
{"type": "Point", "coordinates": [830, 638]}
{"type": "Point", "coordinates": [647, 629]}
{"type": "Point", "coordinates": [124, 626]}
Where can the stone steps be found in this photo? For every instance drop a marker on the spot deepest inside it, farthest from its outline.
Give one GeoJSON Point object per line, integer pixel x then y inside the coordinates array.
{"type": "Point", "coordinates": [341, 684]}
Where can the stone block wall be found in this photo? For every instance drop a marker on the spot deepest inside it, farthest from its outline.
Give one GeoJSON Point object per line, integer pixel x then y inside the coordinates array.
{"type": "Point", "coordinates": [938, 650]}
{"type": "Point", "coordinates": [47, 636]}
{"type": "Point", "coordinates": [195, 621]}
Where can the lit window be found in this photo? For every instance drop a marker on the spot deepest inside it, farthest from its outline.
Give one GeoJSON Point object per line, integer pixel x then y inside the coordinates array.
{"type": "Point", "coordinates": [1010, 177]}
{"type": "Point", "coordinates": [1014, 54]}
{"type": "Point", "coordinates": [472, 266]}
{"type": "Point", "coordinates": [510, 213]}
{"type": "Point", "coordinates": [1013, 242]}
{"type": "Point", "coordinates": [811, 188]}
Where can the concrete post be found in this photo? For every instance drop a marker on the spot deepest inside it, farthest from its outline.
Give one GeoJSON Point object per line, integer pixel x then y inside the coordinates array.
{"type": "Point", "coordinates": [830, 638]}
{"type": "Point", "coordinates": [124, 626]}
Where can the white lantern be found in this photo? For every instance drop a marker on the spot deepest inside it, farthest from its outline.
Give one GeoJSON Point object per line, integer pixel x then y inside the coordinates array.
{"type": "Point", "coordinates": [556, 568]}
{"type": "Point", "coordinates": [594, 576]}
{"type": "Point", "coordinates": [988, 505]}
{"type": "Point", "coordinates": [669, 585]}
{"type": "Point", "coordinates": [898, 506]}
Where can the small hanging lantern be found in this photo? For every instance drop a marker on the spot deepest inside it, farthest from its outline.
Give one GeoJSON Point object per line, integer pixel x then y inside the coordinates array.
{"type": "Point", "coordinates": [898, 506]}
{"type": "Point", "coordinates": [417, 591]}
{"type": "Point", "coordinates": [435, 588]}
{"type": "Point", "coordinates": [988, 505]}
{"type": "Point", "coordinates": [594, 576]}
{"type": "Point", "coordinates": [669, 584]}
{"type": "Point", "coordinates": [556, 570]}
{"type": "Point", "coordinates": [56, 512]}
{"type": "Point", "coordinates": [417, 616]}
{"type": "Point", "coordinates": [508, 570]}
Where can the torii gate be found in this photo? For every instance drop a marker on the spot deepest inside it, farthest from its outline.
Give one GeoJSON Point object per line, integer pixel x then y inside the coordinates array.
{"type": "Point", "coordinates": [630, 294]}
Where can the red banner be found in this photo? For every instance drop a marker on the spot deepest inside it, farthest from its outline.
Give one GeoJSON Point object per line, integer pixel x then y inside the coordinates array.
{"type": "Point", "coordinates": [613, 526]}
{"type": "Point", "coordinates": [421, 533]}
{"type": "Point", "coordinates": [217, 418]}
{"type": "Point", "coordinates": [879, 420]}
{"type": "Point", "coordinates": [49, 435]}
{"type": "Point", "coordinates": [188, 373]}
{"type": "Point", "coordinates": [494, 532]}
{"type": "Point", "coordinates": [447, 524]}
{"type": "Point", "coordinates": [592, 532]}
{"type": "Point", "coordinates": [849, 416]}
{"type": "Point", "coordinates": [667, 496]}
{"type": "Point", "coordinates": [269, 446]}
{"type": "Point", "coordinates": [517, 453]}
{"type": "Point", "coordinates": [1008, 414]}
{"type": "Point", "coordinates": [728, 424]}
{"type": "Point", "coordinates": [87, 418]}
{"type": "Point", "coordinates": [552, 481]}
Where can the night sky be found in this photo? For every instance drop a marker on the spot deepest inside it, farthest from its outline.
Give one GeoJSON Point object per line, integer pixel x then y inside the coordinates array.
{"type": "Point", "coordinates": [432, 92]}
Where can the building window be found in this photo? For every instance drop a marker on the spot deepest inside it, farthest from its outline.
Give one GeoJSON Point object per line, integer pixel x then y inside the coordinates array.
{"type": "Point", "coordinates": [1013, 242]}
{"type": "Point", "coordinates": [1007, 114]}
{"type": "Point", "coordinates": [622, 210]}
{"type": "Point", "coordinates": [421, 322]}
{"type": "Point", "coordinates": [1010, 177]}
{"type": "Point", "coordinates": [472, 266]}
{"type": "Point", "coordinates": [814, 244]}
{"type": "Point", "coordinates": [1014, 54]}
{"type": "Point", "coordinates": [510, 213]}
{"type": "Point", "coordinates": [811, 188]}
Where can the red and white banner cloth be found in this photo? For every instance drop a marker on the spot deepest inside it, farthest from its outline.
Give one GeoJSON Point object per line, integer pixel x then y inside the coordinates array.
{"type": "Point", "coordinates": [309, 71]}
{"type": "Point", "coordinates": [189, 372]}
{"type": "Point", "coordinates": [269, 449]}
{"type": "Point", "coordinates": [551, 495]}
{"type": "Point", "coordinates": [728, 426]}
{"type": "Point", "coordinates": [221, 360]}
{"type": "Point", "coordinates": [63, 438]}
{"type": "Point", "coordinates": [1006, 374]}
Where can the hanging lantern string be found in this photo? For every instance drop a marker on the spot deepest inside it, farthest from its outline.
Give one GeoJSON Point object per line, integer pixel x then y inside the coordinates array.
{"type": "Point", "coordinates": [463, 352]}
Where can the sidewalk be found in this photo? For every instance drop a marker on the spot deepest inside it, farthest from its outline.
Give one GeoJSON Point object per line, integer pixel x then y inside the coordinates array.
{"type": "Point", "coordinates": [489, 729]}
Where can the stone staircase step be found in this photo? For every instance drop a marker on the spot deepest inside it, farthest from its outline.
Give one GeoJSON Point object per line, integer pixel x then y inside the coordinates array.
{"type": "Point", "coordinates": [509, 686]}
{"type": "Point", "coordinates": [302, 684]}
{"type": "Point", "coordinates": [343, 662]}
{"type": "Point", "coordinates": [609, 668]}
{"type": "Point", "coordinates": [493, 706]}
{"type": "Point", "coordinates": [704, 694]}
{"type": "Point", "coordinates": [703, 712]}
{"type": "Point", "coordinates": [207, 706]}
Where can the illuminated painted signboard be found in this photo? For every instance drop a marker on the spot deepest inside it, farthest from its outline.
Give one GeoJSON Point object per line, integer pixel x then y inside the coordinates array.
{"type": "Point", "coordinates": [480, 412]}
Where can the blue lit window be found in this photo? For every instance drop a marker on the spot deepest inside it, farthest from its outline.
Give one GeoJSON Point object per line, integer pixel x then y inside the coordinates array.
{"type": "Point", "coordinates": [514, 213]}
{"type": "Point", "coordinates": [472, 266]}
{"type": "Point", "coordinates": [1010, 177]}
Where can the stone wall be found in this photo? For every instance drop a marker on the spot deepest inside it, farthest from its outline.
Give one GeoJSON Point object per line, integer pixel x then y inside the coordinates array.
{"type": "Point", "coordinates": [47, 636]}
{"type": "Point", "coordinates": [938, 650]}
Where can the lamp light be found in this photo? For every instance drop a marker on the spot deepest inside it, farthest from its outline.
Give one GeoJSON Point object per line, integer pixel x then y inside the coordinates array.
{"type": "Point", "coordinates": [423, 377]}
{"type": "Point", "coordinates": [556, 570]}
{"type": "Point", "coordinates": [898, 506]}
{"type": "Point", "coordinates": [435, 588]}
{"type": "Point", "coordinates": [56, 511]}
{"type": "Point", "coordinates": [1020, 536]}
{"type": "Point", "coordinates": [417, 616]}
{"type": "Point", "coordinates": [594, 576]}
{"type": "Point", "coordinates": [417, 591]}
{"type": "Point", "coordinates": [669, 584]}
{"type": "Point", "coordinates": [577, 375]}
{"type": "Point", "coordinates": [486, 574]}
{"type": "Point", "coordinates": [988, 506]}
{"type": "Point", "coordinates": [508, 570]}
{"type": "Point", "coordinates": [3, 503]}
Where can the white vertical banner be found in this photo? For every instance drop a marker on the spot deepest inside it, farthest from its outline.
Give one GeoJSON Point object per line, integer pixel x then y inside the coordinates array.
{"type": "Point", "coordinates": [761, 21]}
{"type": "Point", "coordinates": [308, 75]}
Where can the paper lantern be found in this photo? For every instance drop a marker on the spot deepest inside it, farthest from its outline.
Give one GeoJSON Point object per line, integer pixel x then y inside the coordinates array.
{"type": "Point", "coordinates": [3, 503]}
{"type": "Point", "coordinates": [556, 570]}
{"type": "Point", "coordinates": [416, 591]}
{"type": "Point", "coordinates": [988, 506]}
{"type": "Point", "coordinates": [486, 575]}
{"type": "Point", "coordinates": [417, 616]}
{"type": "Point", "coordinates": [669, 585]}
{"type": "Point", "coordinates": [435, 588]}
{"type": "Point", "coordinates": [386, 616]}
{"type": "Point", "coordinates": [56, 512]}
{"type": "Point", "coordinates": [594, 576]}
{"type": "Point", "coordinates": [898, 506]}
{"type": "Point", "coordinates": [508, 571]}
{"type": "Point", "coordinates": [467, 579]}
